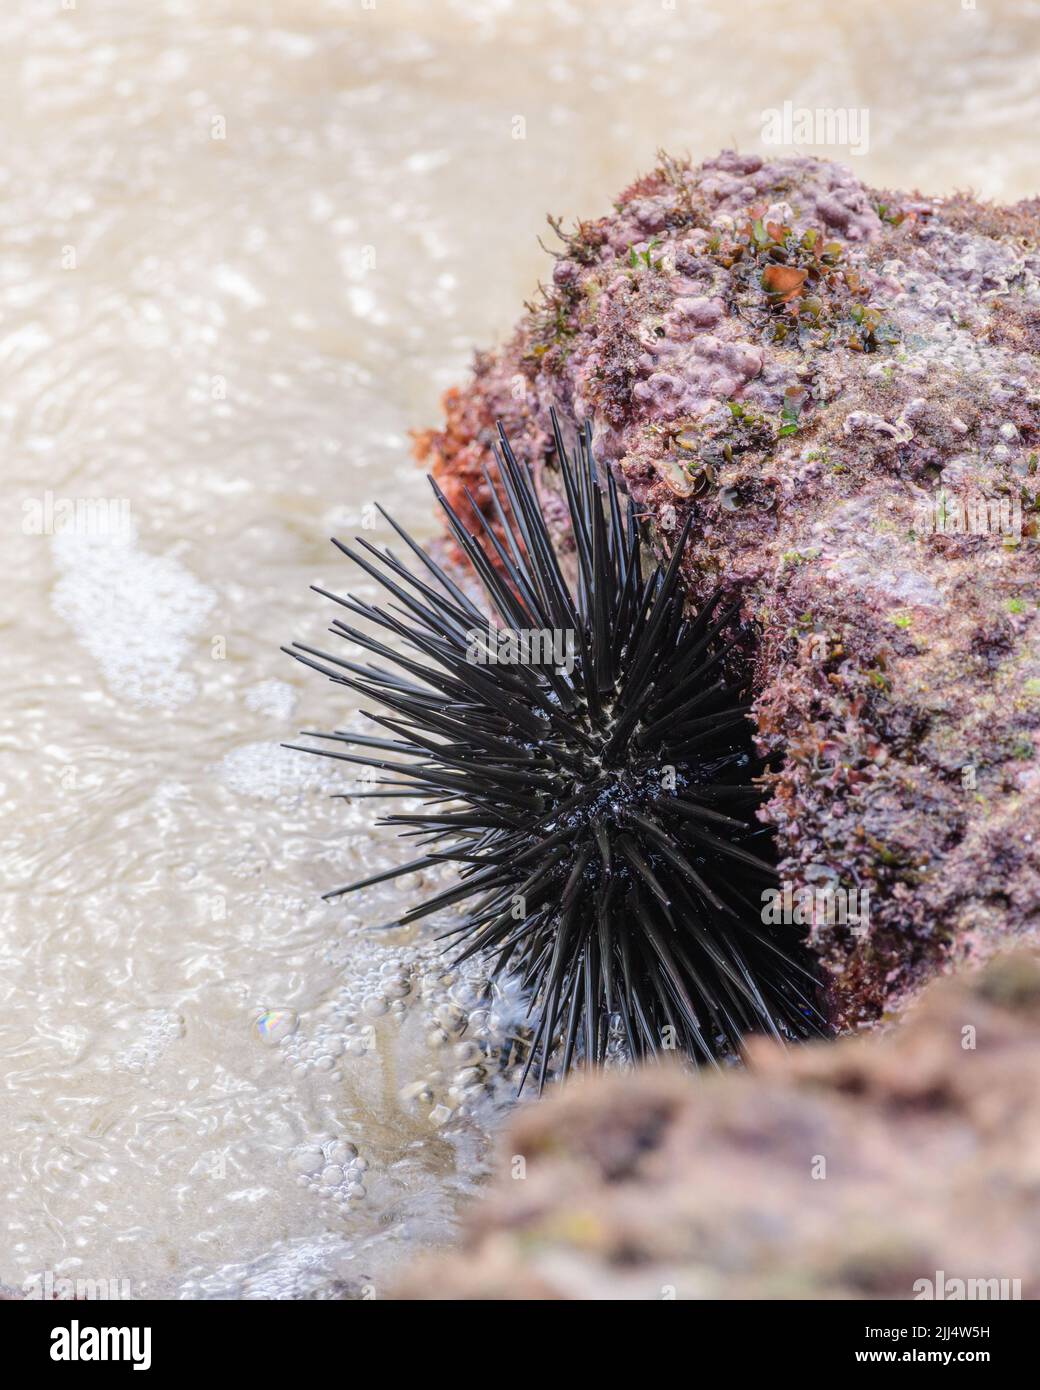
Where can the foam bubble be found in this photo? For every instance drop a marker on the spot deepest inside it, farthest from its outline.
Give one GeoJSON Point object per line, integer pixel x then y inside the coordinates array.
{"type": "Point", "coordinates": [274, 1025]}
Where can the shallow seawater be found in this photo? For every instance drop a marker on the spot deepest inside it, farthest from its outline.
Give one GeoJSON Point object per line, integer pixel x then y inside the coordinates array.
{"type": "Point", "coordinates": [243, 248]}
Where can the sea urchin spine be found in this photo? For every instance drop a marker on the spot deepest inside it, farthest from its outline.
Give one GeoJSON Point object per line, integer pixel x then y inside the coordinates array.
{"type": "Point", "coordinates": [601, 810]}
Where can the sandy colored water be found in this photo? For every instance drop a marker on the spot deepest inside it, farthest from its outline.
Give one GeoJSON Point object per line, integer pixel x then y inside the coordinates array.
{"type": "Point", "coordinates": [244, 248]}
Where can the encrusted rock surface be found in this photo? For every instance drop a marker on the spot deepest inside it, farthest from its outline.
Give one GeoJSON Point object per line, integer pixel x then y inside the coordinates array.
{"type": "Point", "coordinates": [853, 1169]}
{"type": "Point", "coordinates": [808, 366]}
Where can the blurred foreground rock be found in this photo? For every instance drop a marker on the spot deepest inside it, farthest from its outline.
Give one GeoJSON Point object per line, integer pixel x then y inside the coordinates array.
{"type": "Point", "coordinates": [852, 1169]}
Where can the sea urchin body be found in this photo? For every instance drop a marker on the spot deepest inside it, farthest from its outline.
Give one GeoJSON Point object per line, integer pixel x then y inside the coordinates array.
{"type": "Point", "coordinates": [585, 760]}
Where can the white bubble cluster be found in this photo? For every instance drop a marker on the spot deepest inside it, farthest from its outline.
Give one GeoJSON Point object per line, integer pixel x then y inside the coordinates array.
{"type": "Point", "coordinates": [460, 1039]}
{"type": "Point", "coordinates": [332, 1168]}
{"type": "Point", "coordinates": [156, 1030]}
{"type": "Point", "coordinates": [274, 699]}
{"type": "Point", "coordinates": [295, 1269]}
{"type": "Point", "coordinates": [269, 772]}
{"type": "Point", "coordinates": [139, 615]}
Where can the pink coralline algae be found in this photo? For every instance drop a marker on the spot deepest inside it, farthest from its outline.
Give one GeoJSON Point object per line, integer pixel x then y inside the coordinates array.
{"type": "Point", "coordinates": [836, 383]}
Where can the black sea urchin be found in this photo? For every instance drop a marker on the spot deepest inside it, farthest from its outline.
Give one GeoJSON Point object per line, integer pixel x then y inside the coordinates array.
{"type": "Point", "coordinates": [587, 765]}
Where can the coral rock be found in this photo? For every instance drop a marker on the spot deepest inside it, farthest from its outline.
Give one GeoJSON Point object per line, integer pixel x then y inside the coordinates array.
{"type": "Point", "coordinates": [838, 383]}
